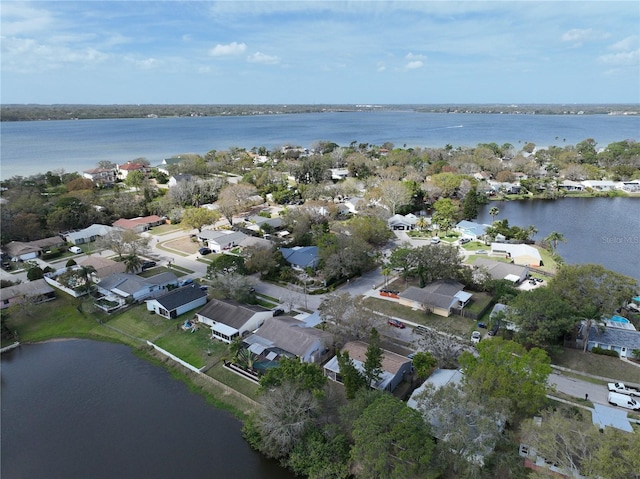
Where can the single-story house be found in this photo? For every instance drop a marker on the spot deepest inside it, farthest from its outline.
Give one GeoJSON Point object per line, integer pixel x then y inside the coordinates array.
{"type": "Point", "coordinates": [600, 185]}
{"type": "Point", "coordinates": [175, 179]}
{"type": "Point", "coordinates": [522, 254]}
{"type": "Point", "coordinates": [395, 367]}
{"type": "Point", "coordinates": [402, 222]}
{"type": "Point", "coordinates": [285, 336]}
{"type": "Point", "coordinates": [229, 319]}
{"type": "Point", "coordinates": [38, 290]}
{"type": "Point", "coordinates": [632, 186]}
{"type": "Point", "coordinates": [103, 266]}
{"type": "Point", "coordinates": [624, 341]}
{"type": "Point", "coordinates": [139, 224]}
{"type": "Point", "coordinates": [87, 235]}
{"type": "Point", "coordinates": [100, 176]}
{"type": "Point", "coordinates": [256, 222]}
{"type": "Point", "coordinates": [356, 204]}
{"type": "Point", "coordinates": [500, 270]}
{"type": "Point", "coordinates": [301, 257]}
{"type": "Point", "coordinates": [221, 240]}
{"type": "Point", "coordinates": [568, 185]}
{"type": "Point", "coordinates": [136, 288]}
{"type": "Point", "coordinates": [339, 173]}
{"type": "Point", "coordinates": [506, 324]}
{"type": "Point", "coordinates": [19, 250]}
{"type": "Point", "coordinates": [438, 379]}
{"type": "Point", "coordinates": [178, 301]}
{"type": "Point", "coordinates": [471, 229]}
{"type": "Point", "coordinates": [439, 297]}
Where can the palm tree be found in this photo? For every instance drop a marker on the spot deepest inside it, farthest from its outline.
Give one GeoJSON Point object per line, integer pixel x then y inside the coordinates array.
{"type": "Point", "coordinates": [133, 263]}
{"type": "Point", "coordinates": [493, 212]}
{"type": "Point", "coordinates": [553, 239]}
{"type": "Point", "coordinates": [422, 223]}
{"type": "Point", "coordinates": [85, 272]}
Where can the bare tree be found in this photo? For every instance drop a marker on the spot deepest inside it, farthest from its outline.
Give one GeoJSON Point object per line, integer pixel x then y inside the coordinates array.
{"type": "Point", "coordinates": [233, 199]}
{"type": "Point", "coordinates": [347, 318]}
{"type": "Point", "coordinates": [444, 347]}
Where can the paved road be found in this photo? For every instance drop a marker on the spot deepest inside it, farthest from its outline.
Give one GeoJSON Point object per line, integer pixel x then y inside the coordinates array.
{"type": "Point", "coordinates": [578, 388]}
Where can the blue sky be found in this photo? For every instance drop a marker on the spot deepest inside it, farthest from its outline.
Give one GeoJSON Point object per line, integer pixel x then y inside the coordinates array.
{"type": "Point", "coordinates": [372, 52]}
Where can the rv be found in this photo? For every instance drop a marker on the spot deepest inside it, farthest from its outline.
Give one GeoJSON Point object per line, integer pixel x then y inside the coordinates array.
{"type": "Point", "coordinates": [624, 401]}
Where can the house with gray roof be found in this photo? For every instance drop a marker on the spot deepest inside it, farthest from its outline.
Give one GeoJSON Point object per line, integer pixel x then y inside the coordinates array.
{"type": "Point", "coordinates": [290, 337]}
{"type": "Point", "coordinates": [471, 229]}
{"type": "Point", "coordinates": [178, 301]}
{"type": "Point", "coordinates": [624, 341]}
{"type": "Point", "coordinates": [301, 257]}
{"type": "Point", "coordinates": [87, 235]}
{"type": "Point", "coordinates": [38, 291]}
{"type": "Point", "coordinates": [136, 288]}
{"type": "Point", "coordinates": [229, 319]}
{"type": "Point", "coordinates": [501, 270]}
{"type": "Point", "coordinates": [439, 297]}
{"type": "Point", "coordinates": [220, 240]}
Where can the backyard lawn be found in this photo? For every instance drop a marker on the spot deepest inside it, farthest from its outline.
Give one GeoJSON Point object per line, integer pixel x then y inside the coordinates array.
{"type": "Point", "coordinates": [240, 384]}
{"type": "Point", "coordinates": [140, 323]}
{"type": "Point", "coordinates": [196, 348]}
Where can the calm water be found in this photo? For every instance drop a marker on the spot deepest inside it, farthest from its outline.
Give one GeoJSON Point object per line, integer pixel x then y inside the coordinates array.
{"type": "Point", "coordinates": [35, 147]}
{"type": "Point", "coordinates": [598, 230]}
{"type": "Point", "coordinates": [84, 409]}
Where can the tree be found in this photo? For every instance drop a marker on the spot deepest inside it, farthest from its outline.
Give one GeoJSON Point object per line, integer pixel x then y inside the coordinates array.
{"type": "Point", "coordinates": [504, 369]}
{"type": "Point", "coordinates": [392, 194]}
{"type": "Point", "coordinates": [199, 217]}
{"type": "Point", "coordinates": [344, 256]}
{"type": "Point", "coordinates": [34, 273]}
{"type": "Point", "coordinates": [371, 229]}
{"type": "Point", "coordinates": [424, 363]}
{"type": "Point", "coordinates": [233, 199]}
{"type": "Point", "coordinates": [616, 455]}
{"type": "Point", "coordinates": [123, 242]}
{"type": "Point", "coordinates": [234, 286]}
{"type": "Point", "coordinates": [85, 273]}
{"type": "Point", "coordinates": [132, 262]}
{"type": "Point", "coordinates": [493, 212]}
{"type": "Point", "coordinates": [471, 205]}
{"type": "Point", "coordinates": [373, 359]}
{"type": "Point", "coordinates": [553, 239]}
{"type": "Point", "coordinates": [445, 348]}
{"type": "Point", "coordinates": [135, 179]}
{"type": "Point", "coordinates": [307, 376]}
{"type": "Point", "coordinates": [346, 317]}
{"type": "Point", "coordinates": [225, 264]}
{"type": "Point", "coordinates": [321, 454]}
{"type": "Point", "coordinates": [392, 441]}
{"type": "Point", "coordinates": [446, 213]}
{"type": "Point", "coordinates": [352, 379]}
{"type": "Point", "coordinates": [432, 262]}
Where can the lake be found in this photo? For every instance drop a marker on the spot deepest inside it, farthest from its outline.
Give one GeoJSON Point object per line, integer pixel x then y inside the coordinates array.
{"type": "Point", "coordinates": [34, 147]}
{"type": "Point", "coordinates": [86, 409]}
{"type": "Point", "coordinates": [598, 230]}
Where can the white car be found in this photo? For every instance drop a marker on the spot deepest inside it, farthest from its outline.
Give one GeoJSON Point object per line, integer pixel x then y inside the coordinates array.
{"type": "Point", "coordinates": [75, 250]}
{"type": "Point", "coordinates": [476, 337]}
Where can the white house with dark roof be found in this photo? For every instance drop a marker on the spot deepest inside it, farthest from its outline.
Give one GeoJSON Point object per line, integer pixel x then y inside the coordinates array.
{"type": "Point", "coordinates": [439, 297]}
{"type": "Point", "coordinates": [229, 319]}
{"type": "Point", "coordinates": [395, 367]}
{"type": "Point", "coordinates": [178, 301]}
{"type": "Point", "coordinates": [285, 336]}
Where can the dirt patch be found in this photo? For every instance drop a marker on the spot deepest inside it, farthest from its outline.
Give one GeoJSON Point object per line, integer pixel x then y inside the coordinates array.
{"type": "Point", "coordinates": [183, 244]}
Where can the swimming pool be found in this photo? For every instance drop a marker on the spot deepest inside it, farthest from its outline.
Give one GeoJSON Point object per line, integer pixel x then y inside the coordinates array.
{"type": "Point", "coordinates": [619, 319]}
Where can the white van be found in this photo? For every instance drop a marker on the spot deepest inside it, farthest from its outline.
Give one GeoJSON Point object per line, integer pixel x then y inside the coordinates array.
{"type": "Point", "coordinates": [624, 401]}
{"type": "Point", "coordinates": [75, 249]}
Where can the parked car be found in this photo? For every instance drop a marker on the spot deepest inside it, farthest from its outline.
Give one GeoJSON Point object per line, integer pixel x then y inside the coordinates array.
{"type": "Point", "coordinates": [465, 240]}
{"type": "Point", "coordinates": [435, 240]}
{"type": "Point", "coordinates": [395, 323]}
{"type": "Point", "coordinates": [278, 312]}
{"type": "Point", "coordinates": [622, 400]}
{"type": "Point", "coordinates": [148, 264]}
{"type": "Point", "coordinates": [481, 251]}
{"type": "Point", "coordinates": [476, 337]}
{"type": "Point", "coordinates": [75, 249]}
{"type": "Point", "coordinates": [482, 325]}
{"type": "Point", "coordinates": [204, 251]}
{"type": "Point", "coordinates": [494, 330]}
{"type": "Point", "coordinates": [185, 282]}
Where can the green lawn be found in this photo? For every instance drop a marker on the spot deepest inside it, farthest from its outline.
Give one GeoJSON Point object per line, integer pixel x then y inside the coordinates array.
{"type": "Point", "coordinates": [140, 323]}
{"type": "Point", "coordinates": [197, 348]}
{"type": "Point", "coordinates": [597, 365]}
{"type": "Point", "coordinates": [240, 384]}
{"type": "Point", "coordinates": [164, 229]}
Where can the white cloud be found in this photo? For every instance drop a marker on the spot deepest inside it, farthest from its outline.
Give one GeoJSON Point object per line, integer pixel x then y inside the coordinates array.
{"type": "Point", "coordinates": [621, 58]}
{"type": "Point", "coordinates": [144, 63]}
{"type": "Point", "coordinates": [20, 18]}
{"type": "Point", "coordinates": [414, 65]}
{"type": "Point", "coordinates": [412, 57]}
{"type": "Point", "coordinates": [578, 36]}
{"type": "Point", "coordinates": [258, 57]}
{"type": "Point", "coordinates": [381, 67]}
{"type": "Point", "coordinates": [233, 48]}
{"type": "Point", "coordinates": [626, 44]}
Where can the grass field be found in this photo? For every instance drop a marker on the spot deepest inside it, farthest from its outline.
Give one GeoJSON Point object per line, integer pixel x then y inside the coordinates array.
{"type": "Point", "coordinates": [597, 365]}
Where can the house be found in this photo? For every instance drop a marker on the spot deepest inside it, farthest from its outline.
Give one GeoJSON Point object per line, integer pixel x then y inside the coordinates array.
{"type": "Point", "coordinates": [629, 186]}
{"type": "Point", "coordinates": [285, 336]}
{"type": "Point", "coordinates": [128, 167]}
{"type": "Point", "coordinates": [599, 185]}
{"type": "Point", "coordinates": [440, 297]}
{"type": "Point", "coordinates": [439, 378]}
{"type": "Point", "coordinates": [500, 270]}
{"type": "Point", "coordinates": [395, 367]}
{"type": "Point", "coordinates": [104, 266]}
{"type": "Point", "coordinates": [175, 179]}
{"type": "Point", "coordinates": [471, 230]}
{"type": "Point", "coordinates": [624, 341]}
{"type": "Point", "coordinates": [39, 291]}
{"type": "Point", "coordinates": [136, 288]}
{"type": "Point", "coordinates": [301, 257]}
{"type": "Point", "coordinates": [220, 240]}
{"type": "Point", "coordinates": [356, 204]}
{"type": "Point", "coordinates": [23, 251]}
{"type": "Point", "coordinates": [178, 301]}
{"type": "Point", "coordinates": [140, 224]}
{"type": "Point", "coordinates": [87, 235]}
{"type": "Point", "coordinates": [402, 222]}
{"type": "Point", "coordinates": [522, 254]}
{"type": "Point", "coordinates": [229, 319]}
{"type": "Point", "coordinates": [101, 176]}
{"type": "Point", "coordinates": [166, 163]}
{"type": "Point", "coordinates": [339, 173]}
{"type": "Point", "coordinates": [568, 185]}
{"type": "Point", "coordinates": [504, 323]}
{"type": "Point", "coordinates": [256, 222]}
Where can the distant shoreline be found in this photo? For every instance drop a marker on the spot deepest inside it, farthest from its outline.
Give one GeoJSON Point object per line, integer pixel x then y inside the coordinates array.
{"type": "Point", "coordinates": [37, 112]}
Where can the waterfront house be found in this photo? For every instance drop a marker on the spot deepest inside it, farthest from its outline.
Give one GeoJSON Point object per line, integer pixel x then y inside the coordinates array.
{"type": "Point", "coordinates": [128, 167]}
{"type": "Point", "coordinates": [37, 291]}
{"type": "Point", "coordinates": [229, 319]}
{"type": "Point", "coordinates": [87, 235]}
{"type": "Point", "coordinates": [166, 163]}
{"type": "Point", "coordinates": [600, 185]}
{"type": "Point", "coordinates": [395, 367]}
{"type": "Point", "coordinates": [471, 229]}
{"type": "Point", "coordinates": [178, 301]}
{"type": "Point", "coordinates": [522, 254]}
{"type": "Point", "coordinates": [440, 297]}
{"type": "Point", "coordinates": [289, 337]}
{"type": "Point", "coordinates": [101, 176]}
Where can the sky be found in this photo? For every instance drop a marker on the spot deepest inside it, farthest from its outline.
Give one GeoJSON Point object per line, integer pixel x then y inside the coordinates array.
{"type": "Point", "coordinates": [312, 52]}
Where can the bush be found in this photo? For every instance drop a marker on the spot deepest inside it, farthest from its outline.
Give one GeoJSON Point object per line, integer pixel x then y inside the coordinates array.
{"type": "Point", "coordinates": [605, 352]}
{"type": "Point", "coordinates": [70, 263]}
{"type": "Point", "coordinates": [35, 273]}
{"type": "Point", "coordinates": [636, 353]}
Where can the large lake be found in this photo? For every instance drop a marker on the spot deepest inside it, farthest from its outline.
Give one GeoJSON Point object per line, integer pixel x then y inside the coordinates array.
{"type": "Point", "coordinates": [34, 147]}
{"type": "Point", "coordinates": [84, 409]}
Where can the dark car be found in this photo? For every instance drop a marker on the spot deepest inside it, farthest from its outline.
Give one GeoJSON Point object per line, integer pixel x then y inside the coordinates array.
{"type": "Point", "coordinates": [494, 330]}
{"type": "Point", "coordinates": [278, 312]}
{"type": "Point", "coordinates": [395, 323]}
{"type": "Point", "coordinates": [148, 264]}
{"type": "Point", "coordinates": [204, 251]}
{"type": "Point", "coordinates": [482, 325]}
